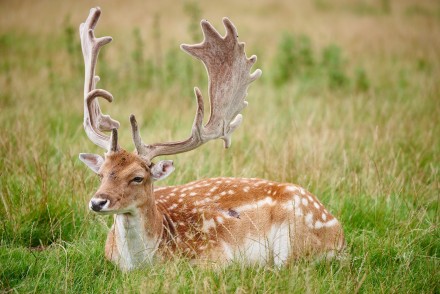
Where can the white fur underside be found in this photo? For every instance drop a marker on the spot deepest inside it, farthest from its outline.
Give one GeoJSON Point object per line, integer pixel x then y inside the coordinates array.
{"type": "Point", "coordinates": [273, 248]}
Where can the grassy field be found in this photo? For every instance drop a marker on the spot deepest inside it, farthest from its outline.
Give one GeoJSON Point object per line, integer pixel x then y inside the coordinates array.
{"type": "Point", "coordinates": [348, 107]}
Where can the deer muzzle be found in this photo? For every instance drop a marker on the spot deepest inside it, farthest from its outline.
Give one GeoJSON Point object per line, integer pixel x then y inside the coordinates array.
{"type": "Point", "coordinates": [98, 204]}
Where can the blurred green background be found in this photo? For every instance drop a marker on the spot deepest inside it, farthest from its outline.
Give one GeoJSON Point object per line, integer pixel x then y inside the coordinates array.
{"type": "Point", "coordinates": [348, 107]}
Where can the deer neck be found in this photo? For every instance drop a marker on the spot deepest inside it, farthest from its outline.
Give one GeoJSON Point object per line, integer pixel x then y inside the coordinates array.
{"type": "Point", "coordinates": [138, 233]}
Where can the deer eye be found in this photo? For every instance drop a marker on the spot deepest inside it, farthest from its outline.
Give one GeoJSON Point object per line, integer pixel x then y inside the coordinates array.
{"type": "Point", "coordinates": [137, 179]}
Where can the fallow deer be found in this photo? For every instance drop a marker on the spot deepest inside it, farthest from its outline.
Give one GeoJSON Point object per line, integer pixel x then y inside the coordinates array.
{"type": "Point", "coordinates": [215, 220]}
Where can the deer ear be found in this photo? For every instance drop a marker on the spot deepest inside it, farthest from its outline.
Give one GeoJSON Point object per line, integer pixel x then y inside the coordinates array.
{"type": "Point", "coordinates": [162, 169]}
{"type": "Point", "coordinates": [93, 161]}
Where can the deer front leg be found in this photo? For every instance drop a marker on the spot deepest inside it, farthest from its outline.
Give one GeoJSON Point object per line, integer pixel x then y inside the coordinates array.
{"type": "Point", "coordinates": [111, 251]}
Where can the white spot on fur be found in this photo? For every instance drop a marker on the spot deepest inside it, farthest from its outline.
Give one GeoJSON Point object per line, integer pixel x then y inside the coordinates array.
{"type": "Point", "coordinates": [173, 206]}
{"type": "Point", "coordinates": [291, 188]}
{"type": "Point", "coordinates": [192, 194]}
{"type": "Point", "coordinates": [331, 223]}
{"type": "Point", "coordinates": [219, 219]}
{"type": "Point", "coordinates": [289, 205]}
{"type": "Point", "coordinates": [309, 219]}
{"type": "Point", "coordinates": [318, 225]}
{"type": "Point", "coordinates": [202, 202]}
{"type": "Point", "coordinates": [324, 216]}
{"type": "Point", "coordinates": [208, 224]}
{"type": "Point", "coordinates": [316, 205]}
{"type": "Point", "coordinates": [297, 200]}
{"type": "Point", "coordinates": [256, 205]}
{"type": "Point", "coordinates": [304, 201]}
{"type": "Point", "coordinates": [246, 189]}
{"type": "Point", "coordinates": [231, 192]}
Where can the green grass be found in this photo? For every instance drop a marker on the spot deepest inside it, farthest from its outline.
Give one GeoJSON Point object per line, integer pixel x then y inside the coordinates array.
{"type": "Point", "coordinates": [360, 130]}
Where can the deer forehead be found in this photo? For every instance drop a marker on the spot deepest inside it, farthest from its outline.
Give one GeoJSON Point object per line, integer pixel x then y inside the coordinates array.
{"type": "Point", "coordinates": [123, 164]}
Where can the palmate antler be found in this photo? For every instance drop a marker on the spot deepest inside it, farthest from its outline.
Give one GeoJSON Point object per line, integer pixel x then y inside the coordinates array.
{"type": "Point", "coordinates": [95, 123]}
{"type": "Point", "coordinates": [228, 71]}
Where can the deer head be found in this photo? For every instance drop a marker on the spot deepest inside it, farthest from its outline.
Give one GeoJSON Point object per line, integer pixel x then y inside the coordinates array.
{"type": "Point", "coordinates": [126, 178]}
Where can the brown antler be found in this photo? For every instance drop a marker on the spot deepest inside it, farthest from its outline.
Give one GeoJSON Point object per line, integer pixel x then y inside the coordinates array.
{"type": "Point", "coordinates": [228, 71]}
{"type": "Point", "coordinates": [94, 121]}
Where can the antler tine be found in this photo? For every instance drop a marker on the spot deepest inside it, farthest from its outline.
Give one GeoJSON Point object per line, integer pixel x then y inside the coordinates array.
{"type": "Point", "coordinates": [228, 71]}
{"type": "Point", "coordinates": [136, 136]}
{"type": "Point", "coordinates": [148, 152]}
{"type": "Point", "coordinates": [114, 147]}
{"type": "Point", "coordinates": [94, 121]}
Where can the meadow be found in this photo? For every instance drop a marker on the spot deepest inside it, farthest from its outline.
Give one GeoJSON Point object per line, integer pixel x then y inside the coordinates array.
{"type": "Point", "coordinates": [348, 106]}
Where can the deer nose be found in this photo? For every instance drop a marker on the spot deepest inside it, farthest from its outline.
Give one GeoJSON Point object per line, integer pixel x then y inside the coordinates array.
{"type": "Point", "coordinates": [97, 204]}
